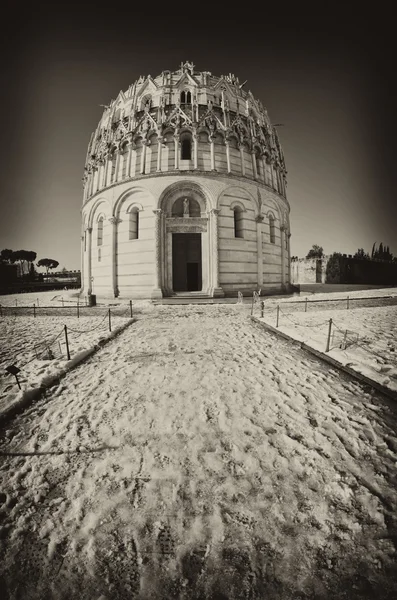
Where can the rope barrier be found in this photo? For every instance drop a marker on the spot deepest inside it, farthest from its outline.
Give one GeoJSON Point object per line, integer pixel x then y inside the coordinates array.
{"type": "Point", "coordinates": [9, 321]}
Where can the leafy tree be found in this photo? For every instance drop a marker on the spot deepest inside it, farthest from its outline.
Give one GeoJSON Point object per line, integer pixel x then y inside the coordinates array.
{"type": "Point", "coordinates": [315, 252]}
{"type": "Point", "coordinates": [373, 250]}
{"type": "Point", "coordinates": [362, 254]}
{"type": "Point", "coordinates": [48, 263]}
{"type": "Point", "coordinates": [7, 256]}
{"type": "Point", "coordinates": [332, 271]}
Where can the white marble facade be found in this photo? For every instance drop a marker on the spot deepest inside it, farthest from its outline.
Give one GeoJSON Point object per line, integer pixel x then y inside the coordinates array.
{"type": "Point", "coordinates": [185, 192]}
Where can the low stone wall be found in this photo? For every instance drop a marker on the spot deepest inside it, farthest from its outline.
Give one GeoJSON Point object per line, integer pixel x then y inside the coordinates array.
{"type": "Point", "coordinates": [347, 270]}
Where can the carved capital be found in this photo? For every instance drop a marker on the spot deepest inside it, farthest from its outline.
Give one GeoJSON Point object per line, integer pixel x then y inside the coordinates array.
{"type": "Point", "coordinates": [157, 212]}
{"type": "Point", "coordinates": [114, 220]}
{"type": "Point", "coordinates": [214, 211]}
{"type": "Point", "coordinates": [89, 229]}
{"type": "Point", "coordinates": [259, 218]}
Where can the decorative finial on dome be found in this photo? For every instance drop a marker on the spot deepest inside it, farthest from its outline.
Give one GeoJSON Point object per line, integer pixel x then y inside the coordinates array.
{"type": "Point", "coordinates": [187, 67]}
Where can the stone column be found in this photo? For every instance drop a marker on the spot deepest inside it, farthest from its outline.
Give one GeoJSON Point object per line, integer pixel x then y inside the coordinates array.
{"type": "Point", "coordinates": [157, 291]}
{"type": "Point", "coordinates": [215, 289]}
{"type": "Point", "coordinates": [272, 173]}
{"type": "Point", "coordinates": [95, 180]}
{"type": "Point", "coordinates": [263, 168]}
{"type": "Point", "coordinates": [289, 257]}
{"type": "Point", "coordinates": [101, 182]}
{"type": "Point", "coordinates": [212, 148]}
{"type": "Point", "coordinates": [195, 150]}
{"type": "Point", "coordinates": [254, 169]}
{"type": "Point", "coordinates": [259, 220]}
{"type": "Point", "coordinates": [176, 142]}
{"type": "Point", "coordinates": [113, 257]}
{"type": "Point", "coordinates": [130, 159]}
{"type": "Point", "coordinates": [108, 171]}
{"type": "Point", "coordinates": [228, 155]}
{"type": "Point", "coordinates": [116, 173]}
{"type": "Point", "coordinates": [143, 157]}
{"type": "Point", "coordinates": [241, 147]}
{"type": "Point", "coordinates": [159, 149]}
{"type": "Point", "coordinates": [89, 254]}
{"type": "Point", "coordinates": [282, 238]}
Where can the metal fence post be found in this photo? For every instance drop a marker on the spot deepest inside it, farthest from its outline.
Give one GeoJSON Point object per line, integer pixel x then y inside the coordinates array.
{"type": "Point", "coordinates": [110, 322]}
{"type": "Point", "coordinates": [252, 305]}
{"type": "Point", "coordinates": [306, 305]}
{"type": "Point", "coordinates": [78, 311]}
{"type": "Point", "coordinates": [34, 310]}
{"type": "Point", "coordinates": [348, 303]}
{"type": "Point", "coordinates": [278, 312]}
{"type": "Point", "coordinates": [262, 308]}
{"type": "Point", "coordinates": [329, 335]}
{"type": "Point", "coordinates": [37, 302]}
{"type": "Point", "coordinates": [67, 342]}
{"type": "Point", "coordinates": [131, 309]}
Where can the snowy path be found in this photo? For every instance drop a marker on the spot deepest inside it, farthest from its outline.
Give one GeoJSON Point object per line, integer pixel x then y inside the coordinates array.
{"type": "Point", "coordinates": [197, 456]}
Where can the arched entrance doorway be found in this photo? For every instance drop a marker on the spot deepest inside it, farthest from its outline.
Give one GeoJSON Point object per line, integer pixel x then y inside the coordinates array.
{"type": "Point", "coordinates": [186, 246]}
{"type": "Point", "coordinates": [186, 242]}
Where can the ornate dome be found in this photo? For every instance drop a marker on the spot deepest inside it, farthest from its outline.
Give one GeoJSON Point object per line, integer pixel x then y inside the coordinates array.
{"type": "Point", "coordinates": [185, 120]}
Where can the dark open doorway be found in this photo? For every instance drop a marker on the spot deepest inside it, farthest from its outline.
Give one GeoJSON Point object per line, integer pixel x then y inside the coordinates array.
{"type": "Point", "coordinates": [186, 262]}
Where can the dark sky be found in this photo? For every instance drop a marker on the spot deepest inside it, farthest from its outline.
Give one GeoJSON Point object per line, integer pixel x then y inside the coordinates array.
{"type": "Point", "coordinates": [324, 75]}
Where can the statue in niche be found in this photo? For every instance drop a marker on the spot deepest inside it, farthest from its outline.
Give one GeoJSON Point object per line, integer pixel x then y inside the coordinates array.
{"type": "Point", "coordinates": [186, 207]}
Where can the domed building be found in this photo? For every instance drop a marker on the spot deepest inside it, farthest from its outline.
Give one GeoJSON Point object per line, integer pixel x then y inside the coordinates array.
{"type": "Point", "coordinates": [185, 192]}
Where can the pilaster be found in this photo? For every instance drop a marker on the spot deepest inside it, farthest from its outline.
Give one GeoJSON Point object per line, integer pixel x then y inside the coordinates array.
{"type": "Point", "coordinates": [259, 220]}
{"type": "Point", "coordinates": [215, 288]}
{"type": "Point", "coordinates": [113, 257]}
{"type": "Point", "coordinates": [89, 255]}
{"type": "Point", "coordinates": [157, 291]}
{"type": "Point", "coordinates": [282, 239]}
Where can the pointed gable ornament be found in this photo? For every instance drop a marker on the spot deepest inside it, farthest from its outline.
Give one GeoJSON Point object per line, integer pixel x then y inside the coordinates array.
{"type": "Point", "coordinates": [187, 67]}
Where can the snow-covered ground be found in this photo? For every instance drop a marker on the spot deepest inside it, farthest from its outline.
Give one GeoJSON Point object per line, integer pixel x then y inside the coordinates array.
{"type": "Point", "coordinates": [364, 338]}
{"type": "Point", "coordinates": [198, 456]}
{"type": "Point", "coordinates": [37, 345]}
{"type": "Point", "coordinates": [338, 295]}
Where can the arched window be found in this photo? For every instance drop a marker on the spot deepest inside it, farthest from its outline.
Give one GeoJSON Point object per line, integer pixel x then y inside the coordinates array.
{"type": "Point", "coordinates": [238, 222]}
{"type": "Point", "coordinates": [186, 97]}
{"type": "Point", "coordinates": [100, 232]}
{"type": "Point", "coordinates": [271, 229]}
{"type": "Point", "coordinates": [134, 224]}
{"type": "Point", "coordinates": [186, 146]}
